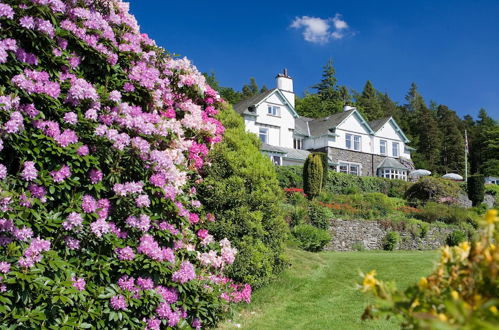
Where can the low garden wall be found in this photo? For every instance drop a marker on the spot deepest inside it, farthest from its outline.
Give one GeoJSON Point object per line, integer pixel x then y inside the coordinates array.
{"type": "Point", "coordinates": [351, 235]}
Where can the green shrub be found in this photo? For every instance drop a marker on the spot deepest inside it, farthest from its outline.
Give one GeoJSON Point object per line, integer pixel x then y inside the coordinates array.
{"type": "Point", "coordinates": [290, 176]}
{"type": "Point", "coordinates": [312, 176]}
{"type": "Point", "coordinates": [448, 214]}
{"type": "Point", "coordinates": [432, 189]}
{"type": "Point", "coordinates": [299, 216]}
{"type": "Point", "coordinates": [298, 199]}
{"type": "Point", "coordinates": [476, 189]}
{"type": "Point", "coordinates": [368, 206]}
{"type": "Point", "coordinates": [325, 167]}
{"type": "Point", "coordinates": [242, 190]}
{"type": "Point", "coordinates": [318, 215]}
{"type": "Point", "coordinates": [391, 240]}
{"type": "Point", "coordinates": [456, 237]}
{"type": "Point", "coordinates": [311, 238]}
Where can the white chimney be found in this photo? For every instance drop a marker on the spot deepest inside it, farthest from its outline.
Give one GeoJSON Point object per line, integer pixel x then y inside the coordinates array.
{"type": "Point", "coordinates": [348, 108]}
{"type": "Point", "coordinates": [285, 84]}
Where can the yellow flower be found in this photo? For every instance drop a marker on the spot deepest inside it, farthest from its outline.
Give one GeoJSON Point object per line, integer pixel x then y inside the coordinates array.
{"type": "Point", "coordinates": [423, 283]}
{"type": "Point", "coordinates": [493, 309]}
{"type": "Point", "coordinates": [491, 216]}
{"type": "Point", "coordinates": [369, 281]}
{"type": "Point", "coordinates": [446, 255]}
{"type": "Point", "coordinates": [442, 317]}
{"type": "Point", "coordinates": [463, 250]}
{"type": "Point", "coordinates": [454, 295]}
{"type": "Point", "coordinates": [415, 303]}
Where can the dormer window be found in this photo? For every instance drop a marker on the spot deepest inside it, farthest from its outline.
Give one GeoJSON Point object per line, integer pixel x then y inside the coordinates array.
{"type": "Point", "coordinates": [273, 110]}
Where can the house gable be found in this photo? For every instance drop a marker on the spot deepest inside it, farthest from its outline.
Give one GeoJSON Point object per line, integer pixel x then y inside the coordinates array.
{"type": "Point", "coordinates": [391, 130]}
{"type": "Point", "coordinates": [277, 97]}
{"type": "Point", "coordinates": [354, 122]}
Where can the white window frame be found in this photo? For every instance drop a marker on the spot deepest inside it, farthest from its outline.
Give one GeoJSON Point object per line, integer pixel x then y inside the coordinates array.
{"type": "Point", "coordinates": [390, 173]}
{"type": "Point", "coordinates": [347, 168]}
{"type": "Point", "coordinates": [263, 132]}
{"type": "Point", "coordinates": [353, 142]}
{"type": "Point", "coordinates": [273, 110]}
{"type": "Point", "coordinates": [357, 142]}
{"type": "Point", "coordinates": [395, 147]}
{"type": "Point", "coordinates": [382, 146]}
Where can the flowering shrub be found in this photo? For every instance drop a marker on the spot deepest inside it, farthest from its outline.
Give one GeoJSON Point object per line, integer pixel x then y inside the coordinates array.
{"type": "Point", "coordinates": [102, 139]}
{"type": "Point", "coordinates": [460, 294]}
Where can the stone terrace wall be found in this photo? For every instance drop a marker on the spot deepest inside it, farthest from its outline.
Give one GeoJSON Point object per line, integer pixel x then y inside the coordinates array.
{"type": "Point", "coordinates": [348, 233]}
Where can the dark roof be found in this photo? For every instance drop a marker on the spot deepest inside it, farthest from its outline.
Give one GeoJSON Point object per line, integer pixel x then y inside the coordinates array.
{"type": "Point", "coordinates": [378, 123]}
{"type": "Point", "coordinates": [392, 163]}
{"type": "Point", "coordinates": [321, 126]}
{"type": "Point", "coordinates": [242, 107]}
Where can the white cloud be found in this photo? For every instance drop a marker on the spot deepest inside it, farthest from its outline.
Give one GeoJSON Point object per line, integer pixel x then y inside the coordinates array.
{"type": "Point", "coordinates": [319, 30]}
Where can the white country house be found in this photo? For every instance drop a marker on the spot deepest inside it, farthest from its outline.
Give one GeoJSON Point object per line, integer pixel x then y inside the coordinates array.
{"type": "Point", "coordinates": [353, 145]}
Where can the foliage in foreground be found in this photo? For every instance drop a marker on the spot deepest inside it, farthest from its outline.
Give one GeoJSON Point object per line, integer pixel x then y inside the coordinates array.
{"type": "Point", "coordinates": [241, 188]}
{"type": "Point", "coordinates": [460, 294]}
{"type": "Point", "coordinates": [103, 137]}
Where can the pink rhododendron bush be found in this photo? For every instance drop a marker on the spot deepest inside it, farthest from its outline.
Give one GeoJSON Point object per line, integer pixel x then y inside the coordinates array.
{"type": "Point", "coordinates": [103, 138]}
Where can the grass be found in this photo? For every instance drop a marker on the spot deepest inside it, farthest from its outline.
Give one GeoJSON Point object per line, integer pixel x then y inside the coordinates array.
{"type": "Point", "coordinates": [318, 290]}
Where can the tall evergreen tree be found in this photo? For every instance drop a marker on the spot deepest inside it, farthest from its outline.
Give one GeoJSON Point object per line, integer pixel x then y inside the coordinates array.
{"type": "Point", "coordinates": [452, 146]}
{"type": "Point", "coordinates": [326, 88]}
{"type": "Point", "coordinates": [477, 152]}
{"type": "Point", "coordinates": [251, 89]}
{"type": "Point", "coordinates": [428, 140]}
{"type": "Point", "coordinates": [368, 102]}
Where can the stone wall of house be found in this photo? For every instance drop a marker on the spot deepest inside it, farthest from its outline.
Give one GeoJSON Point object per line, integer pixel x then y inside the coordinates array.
{"type": "Point", "coordinates": [349, 235]}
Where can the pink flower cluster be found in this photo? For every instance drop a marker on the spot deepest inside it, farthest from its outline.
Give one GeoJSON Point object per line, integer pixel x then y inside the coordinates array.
{"type": "Point", "coordinates": [32, 254]}
{"type": "Point", "coordinates": [186, 273]}
{"type": "Point", "coordinates": [29, 172]}
{"type": "Point", "coordinates": [62, 174]}
{"type": "Point", "coordinates": [128, 188]}
{"type": "Point", "coordinates": [33, 81]}
{"type": "Point", "coordinates": [153, 250]}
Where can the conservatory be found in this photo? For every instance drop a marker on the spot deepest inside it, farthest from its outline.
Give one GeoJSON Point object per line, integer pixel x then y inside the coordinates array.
{"type": "Point", "coordinates": [391, 169]}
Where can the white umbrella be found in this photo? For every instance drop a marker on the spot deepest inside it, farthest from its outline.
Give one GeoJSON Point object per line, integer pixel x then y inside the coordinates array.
{"type": "Point", "coordinates": [418, 173]}
{"type": "Point", "coordinates": [453, 176]}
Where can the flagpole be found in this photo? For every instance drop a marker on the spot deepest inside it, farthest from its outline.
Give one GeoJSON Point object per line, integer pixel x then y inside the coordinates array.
{"type": "Point", "coordinates": [465, 156]}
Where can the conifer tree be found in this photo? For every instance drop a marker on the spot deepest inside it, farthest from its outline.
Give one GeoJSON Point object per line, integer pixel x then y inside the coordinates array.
{"type": "Point", "coordinates": [369, 103]}
{"type": "Point", "coordinates": [428, 140]}
{"type": "Point", "coordinates": [312, 176]}
{"type": "Point", "coordinates": [452, 146]}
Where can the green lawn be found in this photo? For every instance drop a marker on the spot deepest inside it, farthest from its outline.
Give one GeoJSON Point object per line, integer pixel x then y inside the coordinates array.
{"type": "Point", "coordinates": [318, 290]}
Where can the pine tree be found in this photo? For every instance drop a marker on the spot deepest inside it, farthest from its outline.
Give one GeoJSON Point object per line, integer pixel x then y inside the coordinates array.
{"type": "Point", "coordinates": [327, 87]}
{"type": "Point", "coordinates": [428, 140]}
{"type": "Point", "coordinates": [251, 89]}
{"type": "Point", "coordinates": [452, 146]}
{"type": "Point", "coordinates": [369, 103]}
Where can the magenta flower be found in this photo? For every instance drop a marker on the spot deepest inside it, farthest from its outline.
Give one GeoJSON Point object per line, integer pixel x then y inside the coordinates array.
{"type": "Point", "coordinates": [79, 283]}
{"type": "Point", "coordinates": [29, 172]}
{"type": "Point", "coordinates": [95, 176]}
{"type": "Point", "coordinates": [3, 172]}
{"type": "Point", "coordinates": [185, 273]}
{"type": "Point", "coordinates": [4, 267]}
{"type": "Point", "coordinates": [118, 303]}
{"type": "Point", "coordinates": [125, 253]}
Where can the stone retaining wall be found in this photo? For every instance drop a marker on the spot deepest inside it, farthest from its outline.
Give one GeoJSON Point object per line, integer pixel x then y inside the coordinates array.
{"type": "Point", "coordinates": [352, 234]}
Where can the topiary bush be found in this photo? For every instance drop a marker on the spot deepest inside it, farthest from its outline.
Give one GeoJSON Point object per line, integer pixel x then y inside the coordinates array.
{"type": "Point", "coordinates": [476, 189]}
{"type": "Point", "coordinates": [103, 138]}
{"type": "Point", "coordinates": [325, 167]}
{"type": "Point", "coordinates": [241, 188]}
{"type": "Point", "coordinates": [430, 189]}
{"type": "Point", "coordinates": [455, 238]}
{"type": "Point", "coordinates": [391, 240]}
{"type": "Point", "coordinates": [312, 176]}
{"type": "Point", "coordinates": [311, 238]}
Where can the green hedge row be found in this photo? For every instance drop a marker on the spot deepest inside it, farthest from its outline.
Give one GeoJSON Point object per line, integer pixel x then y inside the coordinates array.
{"type": "Point", "coordinates": [339, 183]}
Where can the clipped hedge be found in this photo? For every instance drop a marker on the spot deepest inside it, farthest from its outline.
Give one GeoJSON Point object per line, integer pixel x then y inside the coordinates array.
{"type": "Point", "coordinates": [340, 183]}
{"type": "Point", "coordinates": [476, 189]}
{"type": "Point", "coordinates": [242, 190]}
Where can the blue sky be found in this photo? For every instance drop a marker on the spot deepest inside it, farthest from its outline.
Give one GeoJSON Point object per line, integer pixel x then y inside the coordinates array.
{"type": "Point", "coordinates": [449, 48]}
